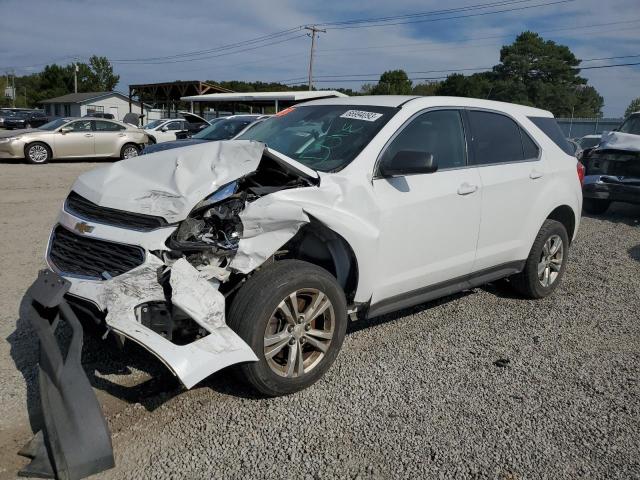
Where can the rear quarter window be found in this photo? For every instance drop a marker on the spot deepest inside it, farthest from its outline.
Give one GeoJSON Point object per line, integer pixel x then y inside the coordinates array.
{"type": "Point", "coordinates": [551, 129]}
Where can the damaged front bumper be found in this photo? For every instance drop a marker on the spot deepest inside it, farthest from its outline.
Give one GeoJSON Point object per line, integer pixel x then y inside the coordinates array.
{"type": "Point", "coordinates": [154, 287]}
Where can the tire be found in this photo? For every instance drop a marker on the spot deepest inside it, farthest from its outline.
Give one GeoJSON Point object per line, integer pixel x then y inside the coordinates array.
{"type": "Point", "coordinates": [28, 125]}
{"type": "Point", "coordinates": [129, 150]}
{"type": "Point", "coordinates": [256, 314]}
{"type": "Point", "coordinates": [595, 206]}
{"type": "Point", "coordinates": [531, 282]}
{"type": "Point", "coordinates": [37, 153]}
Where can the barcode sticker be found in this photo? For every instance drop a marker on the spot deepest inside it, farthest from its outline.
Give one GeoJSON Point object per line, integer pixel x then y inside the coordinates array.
{"type": "Point", "coordinates": [361, 115]}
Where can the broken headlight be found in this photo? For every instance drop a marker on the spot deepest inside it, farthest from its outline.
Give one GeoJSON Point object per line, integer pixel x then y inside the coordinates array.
{"type": "Point", "coordinates": [213, 224]}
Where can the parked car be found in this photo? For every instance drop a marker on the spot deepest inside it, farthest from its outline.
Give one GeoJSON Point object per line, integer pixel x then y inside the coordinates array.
{"type": "Point", "coordinates": [25, 119]}
{"type": "Point", "coordinates": [222, 129]}
{"type": "Point", "coordinates": [73, 138]}
{"type": "Point", "coordinates": [8, 112]}
{"type": "Point", "coordinates": [164, 130]}
{"type": "Point", "coordinates": [335, 209]}
{"type": "Point", "coordinates": [589, 141]}
{"type": "Point", "coordinates": [108, 116]}
{"type": "Point", "coordinates": [612, 168]}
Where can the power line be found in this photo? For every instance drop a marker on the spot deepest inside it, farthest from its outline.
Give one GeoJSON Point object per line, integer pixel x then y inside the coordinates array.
{"type": "Point", "coordinates": [429, 20]}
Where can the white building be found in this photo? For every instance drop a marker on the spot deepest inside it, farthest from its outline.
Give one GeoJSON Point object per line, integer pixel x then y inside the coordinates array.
{"type": "Point", "coordinates": [80, 104]}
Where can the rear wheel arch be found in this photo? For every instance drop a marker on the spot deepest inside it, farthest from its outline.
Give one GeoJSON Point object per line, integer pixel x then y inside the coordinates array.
{"type": "Point", "coordinates": [567, 217]}
{"type": "Point", "coordinates": [318, 244]}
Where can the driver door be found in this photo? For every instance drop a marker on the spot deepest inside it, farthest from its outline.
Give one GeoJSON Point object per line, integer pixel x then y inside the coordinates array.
{"type": "Point", "coordinates": [78, 141]}
{"type": "Point", "coordinates": [429, 222]}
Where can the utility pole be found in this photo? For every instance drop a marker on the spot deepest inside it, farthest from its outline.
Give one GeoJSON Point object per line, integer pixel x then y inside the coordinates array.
{"type": "Point", "coordinates": [13, 88]}
{"type": "Point", "coordinates": [75, 77]}
{"type": "Point", "coordinates": [313, 30]}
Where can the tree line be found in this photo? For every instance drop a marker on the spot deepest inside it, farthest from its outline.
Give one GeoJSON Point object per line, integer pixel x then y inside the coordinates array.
{"type": "Point", "coordinates": [532, 71]}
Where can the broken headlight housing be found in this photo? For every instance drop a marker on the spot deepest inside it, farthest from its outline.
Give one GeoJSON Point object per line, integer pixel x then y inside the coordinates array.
{"type": "Point", "coordinates": [213, 225]}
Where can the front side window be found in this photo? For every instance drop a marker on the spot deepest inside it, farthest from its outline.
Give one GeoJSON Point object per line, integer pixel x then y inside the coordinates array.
{"type": "Point", "coordinates": [80, 126]}
{"type": "Point", "coordinates": [322, 137]}
{"type": "Point", "coordinates": [439, 133]}
{"type": "Point", "coordinates": [496, 138]}
{"type": "Point", "coordinates": [102, 126]}
{"type": "Point", "coordinates": [631, 125]}
{"type": "Point", "coordinates": [174, 126]}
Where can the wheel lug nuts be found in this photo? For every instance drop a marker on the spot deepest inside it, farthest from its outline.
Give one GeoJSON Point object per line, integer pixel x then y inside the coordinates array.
{"type": "Point", "coordinates": [307, 327]}
{"type": "Point", "coordinates": [292, 341]}
{"type": "Point", "coordinates": [290, 328]}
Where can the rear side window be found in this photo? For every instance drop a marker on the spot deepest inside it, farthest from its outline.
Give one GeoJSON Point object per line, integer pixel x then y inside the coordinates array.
{"type": "Point", "coordinates": [498, 139]}
{"type": "Point", "coordinates": [551, 129]}
{"type": "Point", "coordinates": [108, 126]}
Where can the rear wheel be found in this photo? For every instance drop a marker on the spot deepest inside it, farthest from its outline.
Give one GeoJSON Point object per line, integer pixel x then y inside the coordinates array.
{"type": "Point", "coordinates": [293, 315]}
{"type": "Point", "coordinates": [546, 262]}
{"type": "Point", "coordinates": [37, 153]}
{"type": "Point", "coordinates": [595, 206]}
{"type": "Point", "coordinates": [129, 150]}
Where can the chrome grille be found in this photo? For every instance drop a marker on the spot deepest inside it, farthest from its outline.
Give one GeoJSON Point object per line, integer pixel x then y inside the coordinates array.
{"type": "Point", "coordinates": [89, 257]}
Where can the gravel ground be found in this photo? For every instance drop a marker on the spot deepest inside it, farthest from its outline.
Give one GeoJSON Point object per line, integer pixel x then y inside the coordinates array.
{"type": "Point", "coordinates": [477, 385]}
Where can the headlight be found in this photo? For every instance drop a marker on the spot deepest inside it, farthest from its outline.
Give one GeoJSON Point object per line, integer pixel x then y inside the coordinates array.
{"type": "Point", "coordinates": [7, 140]}
{"type": "Point", "coordinates": [213, 225]}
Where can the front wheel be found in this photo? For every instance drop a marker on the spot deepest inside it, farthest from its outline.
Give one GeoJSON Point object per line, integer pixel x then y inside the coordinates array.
{"type": "Point", "coordinates": [595, 206]}
{"type": "Point", "coordinates": [293, 315]}
{"type": "Point", "coordinates": [129, 151]}
{"type": "Point", "coordinates": [37, 153]}
{"type": "Point", "coordinates": [546, 262]}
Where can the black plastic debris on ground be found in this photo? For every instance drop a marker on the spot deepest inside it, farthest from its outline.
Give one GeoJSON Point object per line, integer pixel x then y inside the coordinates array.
{"type": "Point", "coordinates": [502, 362]}
{"type": "Point", "coordinates": [75, 441]}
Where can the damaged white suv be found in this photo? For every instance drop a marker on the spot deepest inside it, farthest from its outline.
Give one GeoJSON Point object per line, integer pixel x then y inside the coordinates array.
{"type": "Point", "coordinates": [256, 251]}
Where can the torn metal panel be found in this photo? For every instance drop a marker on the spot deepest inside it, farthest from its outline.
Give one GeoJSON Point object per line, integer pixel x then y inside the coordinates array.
{"type": "Point", "coordinates": [192, 362]}
{"type": "Point", "coordinates": [196, 295]}
{"type": "Point", "coordinates": [170, 183]}
{"type": "Point", "coordinates": [268, 223]}
{"type": "Point", "coordinates": [619, 141]}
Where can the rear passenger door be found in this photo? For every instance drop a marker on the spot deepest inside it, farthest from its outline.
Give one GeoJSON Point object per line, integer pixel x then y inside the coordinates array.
{"type": "Point", "coordinates": [511, 174]}
{"type": "Point", "coordinates": [108, 137]}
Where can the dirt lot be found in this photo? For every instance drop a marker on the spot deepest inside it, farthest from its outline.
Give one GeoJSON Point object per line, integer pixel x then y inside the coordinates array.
{"type": "Point", "coordinates": [415, 394]}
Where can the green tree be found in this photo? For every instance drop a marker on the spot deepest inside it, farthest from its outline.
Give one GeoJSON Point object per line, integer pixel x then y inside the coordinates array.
{"type": "Point", "coordinates": [532, 71]}
{"type": "Point", "coordinates": [634, 106]}
{"type": "Point", "coordinates": [426, 89]}
{"type": "Point", "coordinates": [393, 82]}
{"type": "Point", "coordinates": [101, 74]}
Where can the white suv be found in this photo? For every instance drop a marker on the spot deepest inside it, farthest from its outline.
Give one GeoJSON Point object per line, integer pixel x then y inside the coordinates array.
{"type": "Point", "coordinates": [256, 251]}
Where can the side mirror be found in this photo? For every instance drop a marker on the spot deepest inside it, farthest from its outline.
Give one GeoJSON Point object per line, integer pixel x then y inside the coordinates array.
{"type": "Point", "coordinates": [164, 129]}
{"type": "Point", "coordinates": [64, 130]}
{"type": "Point", "coordinates": [408, 162]}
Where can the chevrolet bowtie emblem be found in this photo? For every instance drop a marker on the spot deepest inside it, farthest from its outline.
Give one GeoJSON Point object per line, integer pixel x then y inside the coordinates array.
{"type": "Point", "coordinates": [83, 227]}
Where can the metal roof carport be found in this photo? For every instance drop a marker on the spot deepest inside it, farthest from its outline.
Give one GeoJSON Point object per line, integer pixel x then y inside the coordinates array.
{"type": "Point", "coordinates": [261, 99]}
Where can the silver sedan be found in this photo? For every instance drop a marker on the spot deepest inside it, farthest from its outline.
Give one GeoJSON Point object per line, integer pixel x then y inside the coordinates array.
{"type": "Point", "coordinates": [73, 138]}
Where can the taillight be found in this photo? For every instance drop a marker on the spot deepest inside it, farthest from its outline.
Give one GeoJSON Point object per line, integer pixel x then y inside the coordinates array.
{"type": "Point", "coordinates": [580, 168]}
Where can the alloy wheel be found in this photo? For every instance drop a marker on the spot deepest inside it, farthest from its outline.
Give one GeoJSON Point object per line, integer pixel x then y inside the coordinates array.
{"type": "Point", "coordinates": [38, 154]}
{"type": "Point", "coordinates": [130, 152]}
{"type": "Point", "coordinates": [299, 333]}
{"type": "Point", "coordinates": [551, 259]}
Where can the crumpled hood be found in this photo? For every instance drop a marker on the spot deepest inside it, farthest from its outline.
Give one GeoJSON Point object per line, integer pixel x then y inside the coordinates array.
{"type": "Point", "coordinates": [169, 184]}
{"type": "Point", "coordinates": [183, 142]}
{"type": "Point", "coordinates": [619, 141]}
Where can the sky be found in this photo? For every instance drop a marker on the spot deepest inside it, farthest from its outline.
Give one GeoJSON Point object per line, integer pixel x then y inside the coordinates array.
{"type": "Point", "coordinates": [133, 34]}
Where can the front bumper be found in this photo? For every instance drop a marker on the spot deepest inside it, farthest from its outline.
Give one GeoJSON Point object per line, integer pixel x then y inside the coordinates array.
{"type": "Point", "coordinates": [615, 189]}
{"type": "Point", "coordinates": [12, 150]}
{"type": "Point", "coordinates": [120, 298]}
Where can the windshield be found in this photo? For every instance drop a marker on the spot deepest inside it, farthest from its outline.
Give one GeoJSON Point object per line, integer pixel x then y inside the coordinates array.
{"type": "Point", "coordinates": [322, 137]}
{"type": "Point", "coordinates": [588, 142]}
{"type": "Point", "coordinates": [153, 124]}
{"type": "Point", "coordinates": [223, 129]}
{"type": "Point", "coordinates": [54, 124]}
{"type": "Point", "coordinates": [631, 125]}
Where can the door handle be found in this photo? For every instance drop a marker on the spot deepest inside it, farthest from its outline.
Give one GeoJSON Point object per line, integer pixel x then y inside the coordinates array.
{"type": "Point", "coordinates": [535, 174]}
{"type": "Point", "coordinates": [466, 189]}
{"type": "Point", "coordinates": [88, 135]}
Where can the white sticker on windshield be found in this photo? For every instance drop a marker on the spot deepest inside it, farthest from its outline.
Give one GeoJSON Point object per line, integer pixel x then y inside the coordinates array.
{"type": "Point", "coordinates": [361, 115]}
